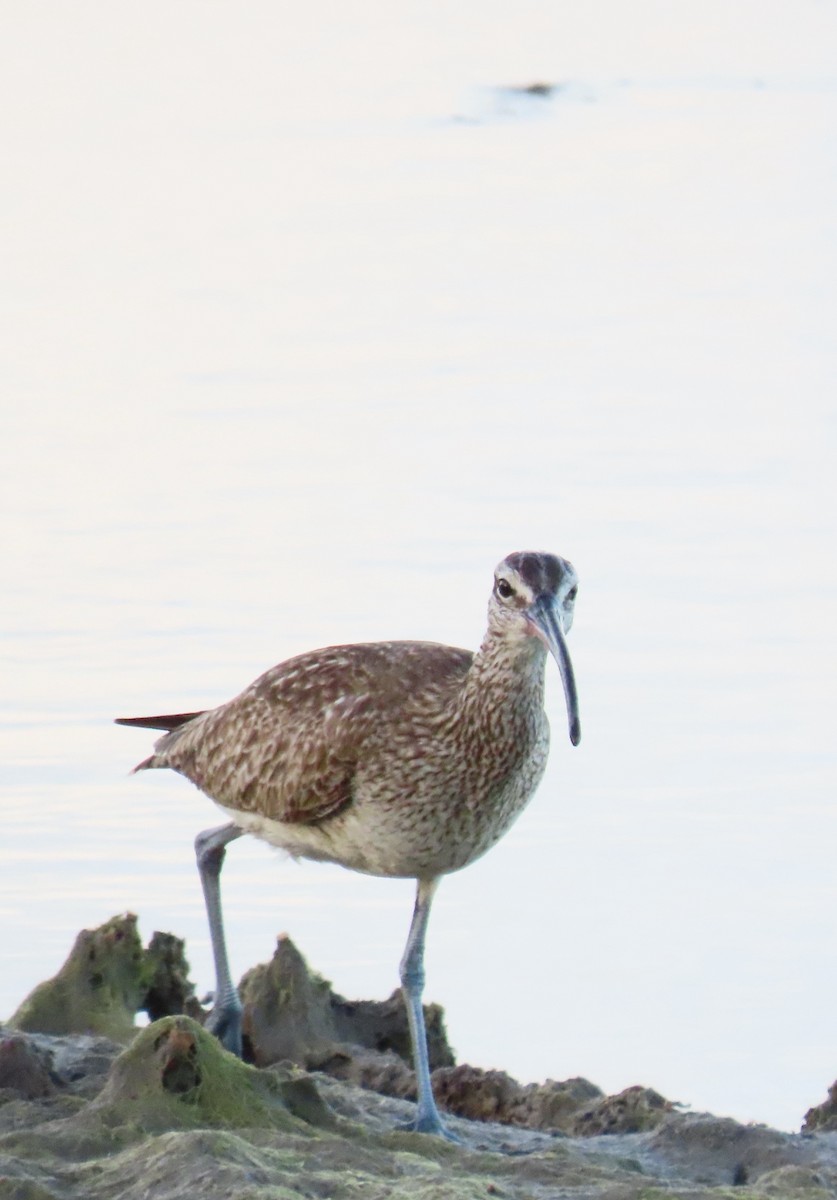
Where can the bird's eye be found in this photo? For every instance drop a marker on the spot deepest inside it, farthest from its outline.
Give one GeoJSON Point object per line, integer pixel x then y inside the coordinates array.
{"type": "Point", "coordinates": [572, 593]}
{"type": "Point", "coordinates": [504, 589]}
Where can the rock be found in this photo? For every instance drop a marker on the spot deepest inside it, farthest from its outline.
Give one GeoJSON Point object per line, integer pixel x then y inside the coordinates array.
{"type": "Point", "coordinates": [106, 980]}
{"type": "Point", "coordinates": [287, 1009]}
{"type": "Point", "coordinates": [169, 990]}
{"type": "Point", "coordinates": [718, 1150]}
{"type": "Point", "coordinates": [553, 1105]}
{"type": "Point", "coordinates": [823, 1116]}
{"type": "Point", "coordinates": [463, 1090]}
{"type": "Point", "coordinates": [385, 1073]}
{"type": "Point", "coordinates": [179, 1117]}
{"type": "Point", "coordinates": [26, 1069]}
{"type": "Point", "coordinates": [79, 1063]}
{"type": "Point", "coordinates": [632, 1111]}
{"type": "Point", "coordinates": [174, 1115]}
{"type": "Point", "coordinates": [495, 1096]}
{"type": "Point", "coordinates": [292, 1014]}
{"type": "Point", "coordinates": [176, 1074]}
{"type": "Point", "coordinates": [98, 989]}
{"type": "Point", "coordinates": [382, 1025]}
{"type": "Point", "coordinates": [793, 1183]}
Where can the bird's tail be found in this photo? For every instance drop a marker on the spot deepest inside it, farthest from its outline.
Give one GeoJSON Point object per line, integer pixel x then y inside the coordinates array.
{"type": "Point", "coordinates": [169, 724]}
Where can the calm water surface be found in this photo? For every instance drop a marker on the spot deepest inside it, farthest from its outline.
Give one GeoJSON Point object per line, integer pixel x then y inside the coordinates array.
{"type": "Point", "coordinates": [306, 323]}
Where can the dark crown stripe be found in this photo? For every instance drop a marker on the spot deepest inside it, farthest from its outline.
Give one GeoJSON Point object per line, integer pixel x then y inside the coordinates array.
{"type": "Point", "coordinates": [541, 572]}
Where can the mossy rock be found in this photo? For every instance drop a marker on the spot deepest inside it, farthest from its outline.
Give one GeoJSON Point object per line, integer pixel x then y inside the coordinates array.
{"type": "Point", "coordinates": [823, 1117]}
{"type": "Point", "coordinates": [98, 989]}
{"type": "Point", "coordinates": [176, 1075]}
{"type": "Point", "coordinates": [292, 1014]}
{"type": "Point", "coordinates": [23, 1189]}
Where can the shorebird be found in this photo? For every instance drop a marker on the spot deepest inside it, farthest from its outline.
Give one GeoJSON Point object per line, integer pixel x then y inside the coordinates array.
{"type": "Point", "coordinates": [398, 759]}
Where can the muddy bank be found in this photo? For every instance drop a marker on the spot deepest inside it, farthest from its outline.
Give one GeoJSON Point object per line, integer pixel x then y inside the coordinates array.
{"type": "Point", "coordinates": [91, 1107]}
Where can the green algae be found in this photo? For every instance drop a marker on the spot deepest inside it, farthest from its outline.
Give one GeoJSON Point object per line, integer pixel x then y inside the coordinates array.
{"type": "Point", "coordinates": [178, 1117]}
{"type": "Point", "coordinates": [23, 1189]}
{"type": "Point", "coordinates": [169, 989]}
{"type": "Point", "coordinates": [190, 1163]}
{"type": "Point", "coordinates": [792, 1183]}
{"type": "Point", "coordinates": [98, 989]}
{"type": "Point", "coordinates": [287, 1008]}
{"type": "Point", "coordinates": [176, 1075]}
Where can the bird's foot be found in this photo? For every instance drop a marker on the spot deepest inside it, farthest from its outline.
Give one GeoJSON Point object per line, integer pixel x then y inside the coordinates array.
{"type": "Point", "coordinates": [225, 1023]}
{"type": "Point", "coordinates": [428, 1122]}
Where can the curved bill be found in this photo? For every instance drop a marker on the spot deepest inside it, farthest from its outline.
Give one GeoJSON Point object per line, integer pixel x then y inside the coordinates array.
{"type": "Point", "coordinates": [546, 621]}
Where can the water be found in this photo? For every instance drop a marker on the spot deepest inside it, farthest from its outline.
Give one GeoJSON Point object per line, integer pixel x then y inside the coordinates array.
{"type": "Point", "coordinates": [307, 321]}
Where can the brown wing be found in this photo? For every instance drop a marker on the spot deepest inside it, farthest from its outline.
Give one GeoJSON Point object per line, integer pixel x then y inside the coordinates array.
{"type": "Point", "coordinates": [289, 745]}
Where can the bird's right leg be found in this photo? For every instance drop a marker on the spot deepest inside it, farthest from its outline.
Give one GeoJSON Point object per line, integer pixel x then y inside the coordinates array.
{"type": "Point", "coordinates": [225, 1019]}
{"type": "Point", "coordinates": [427, 1119]}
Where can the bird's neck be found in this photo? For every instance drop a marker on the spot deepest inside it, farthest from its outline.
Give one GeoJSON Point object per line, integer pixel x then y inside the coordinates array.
{"type": "Point", "coordinates": [506, 675]}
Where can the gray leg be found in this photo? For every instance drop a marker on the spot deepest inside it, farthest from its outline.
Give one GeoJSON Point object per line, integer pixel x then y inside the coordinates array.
{"type": "Point", "coordinates": [412, 983]}
{"type": "Point", "coordinates": [225, 1019]}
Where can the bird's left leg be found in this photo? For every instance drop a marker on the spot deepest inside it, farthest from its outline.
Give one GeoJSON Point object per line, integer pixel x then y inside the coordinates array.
{"type": "Point", "coordinates": [225, 1019]}
{"type": "Point", "coordinates": [427, 1118]}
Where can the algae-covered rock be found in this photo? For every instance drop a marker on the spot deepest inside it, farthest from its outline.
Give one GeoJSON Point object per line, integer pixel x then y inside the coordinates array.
{"type": "Point", "coordinates": [98, 989]}
{"type": "Point", "coordinates": [634, 1110]}
{"type": "Point", "coordinates": [287, 1009]}
{"type": "Point", "coordinates": [823, 1116]}
{"type": "Point", "coordinates": [26, 1069]}
{"type": "Point", "coordinates": [718, 1150]}
{"type": "Point", "coordinates": [23, 1189]}
{"type": "Point", "coordinates": [793, 1183]}
{"type": "Point", "coordinates": [178, 1117]}
{"type": "Point", "coordinates": [292, 1014]}
{"type": "Point", "coordinates": [169, 990]}
{"type": "Point", "coordinates": [176, 1074]}
{"type": "Point", "coordinates": [382, 1025]}
{"type": "Point", "coordinates": [376, 1071]}
{"type": "Point", "coordinates": [495, 1096]}
{"type": "Point", "coordinates": [106, 980]}
{"type": "Point", "coordinates": [465, 1091]}
{"type": "Point", "coordinates": [175, 1116]}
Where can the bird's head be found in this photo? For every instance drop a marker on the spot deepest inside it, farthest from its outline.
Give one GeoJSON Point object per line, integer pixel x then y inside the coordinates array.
{"type": "Point", "coordinates": [534, 596]}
